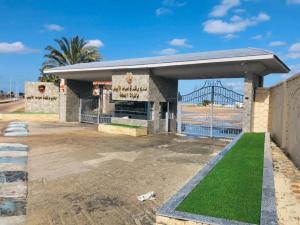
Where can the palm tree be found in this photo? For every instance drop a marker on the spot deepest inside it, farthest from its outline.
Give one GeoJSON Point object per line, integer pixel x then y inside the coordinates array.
{"type": "Point", "coordinates": [72, 51]}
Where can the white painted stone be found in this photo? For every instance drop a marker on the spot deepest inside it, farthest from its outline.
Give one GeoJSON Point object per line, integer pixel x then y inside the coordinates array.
{"type": "Point", "coordinates": [15, 129]}
{"type": "Point", "coordinates": [13, 153]}
{"type": "Point", "coordinates": [13, 147]}
{"type": "Point", "coordinates": [12, 167]}
{"type": "Point", "coordinates": [13, 190]}
{"type": "Point", "coordinates": [16, 134]}
{"type": "Point", "coordinates": [18, 122]}
{"type": "Point", "coordinates": [12, 220]}
{"type": "Point", "coordinates": [17, 125]}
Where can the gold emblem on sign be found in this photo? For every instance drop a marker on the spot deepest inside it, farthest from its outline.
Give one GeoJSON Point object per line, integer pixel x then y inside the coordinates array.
{"type": "Point", "coordinates": [129, 78]}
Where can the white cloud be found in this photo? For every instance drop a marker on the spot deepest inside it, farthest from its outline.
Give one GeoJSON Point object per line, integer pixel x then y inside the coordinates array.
{"type": "Point", "coordinates": [94, 43]}
{"type": "Point", "coordinates": [224, 7]}
{"type": "Point", "coordinates": [239, 11]}
{"type": "Point", "coordinates": [174, 3]}
{"type": "Point", "coordinates": [15, 47]}
{"type": "Point", "coordinates": [277, 43]}
{"type": "Point", "coordinates": [235, 18]}
{"type": "Point", "coordinates": [295, 47]}
{"type": "Point", "coordinates": [167, 7]}
{"type": "Point", "coordinates": [262, 17]}
{"type": "Point", "coordinates": [217, 26]}
{"type": "Point", "coordinates": [294, 70]}
{"type": "Point", "coordinates": [234, 85]}
{"type": "Point", "coordinates": [293, 55]}
{"type": "Point", "coordinates": [180, 42]}
{"type": "Point", "coordinates": [293, 1]}
{"type": "Point", "coordinates": [53, 27]}
{"type": "Point", "coordinates": [230, 36]}
{"type": "Point", "coordinates": [257, 37]}
{"type": "Point", "coordinates": [166, 51]}
{"type": "Point", "coordinates": [163, 11]}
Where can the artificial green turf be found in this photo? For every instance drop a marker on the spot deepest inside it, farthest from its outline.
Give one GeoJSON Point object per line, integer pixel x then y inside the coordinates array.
{"type": "Point", "coordinates": [233, 188]}
{"type": "Point", "coordinates": [124, 125]}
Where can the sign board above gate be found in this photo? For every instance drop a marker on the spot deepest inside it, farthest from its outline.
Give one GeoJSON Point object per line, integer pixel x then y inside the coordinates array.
{"type": "Point", "coordinates": [130, 87]}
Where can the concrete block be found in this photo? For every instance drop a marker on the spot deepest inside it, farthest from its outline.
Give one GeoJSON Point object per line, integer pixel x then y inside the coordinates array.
{"type": "Point", "coordinates": [114, 129]}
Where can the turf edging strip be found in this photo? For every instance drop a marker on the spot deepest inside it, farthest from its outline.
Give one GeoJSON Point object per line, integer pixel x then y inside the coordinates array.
{"type": "Point", "coordinates": [266, 214]}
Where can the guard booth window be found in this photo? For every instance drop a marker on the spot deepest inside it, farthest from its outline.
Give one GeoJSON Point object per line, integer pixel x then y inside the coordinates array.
{"type": "Point", "coordinates": [132, 109]}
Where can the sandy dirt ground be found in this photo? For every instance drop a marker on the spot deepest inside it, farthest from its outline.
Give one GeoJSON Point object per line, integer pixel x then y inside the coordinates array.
{"type": "Point", "coordinates": [80, 176]}
{"type": "Point", "coordinates": [12, 106]}
{"type": "Point", "coordinates": [201, 115]}
{"type": "Point", "coordinates": [287, 186]}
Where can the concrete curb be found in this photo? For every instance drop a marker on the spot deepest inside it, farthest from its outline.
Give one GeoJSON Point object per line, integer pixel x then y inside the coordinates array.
{"type": "Point", "coordinates": [268, 204]}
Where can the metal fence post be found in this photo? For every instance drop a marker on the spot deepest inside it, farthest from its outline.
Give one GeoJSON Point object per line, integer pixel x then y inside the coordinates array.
{"type": "Point", "coordinates": [179, 109]}
{"type": "Point", "coordinates": [98, 114]}
{"type": "Point", "coordinates": [212, 111]}
{"type": "Point", "coordinates": [167, 118]}
{"type": "Point", "coordinates": [80, 110]}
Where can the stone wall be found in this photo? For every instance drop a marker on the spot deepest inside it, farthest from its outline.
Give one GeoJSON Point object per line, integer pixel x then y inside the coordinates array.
{"type": "Point", "coordinates": [285, 116]}
{"type": "Point", "coordinates": [41, 97]}
{"type": "Point", "coordinates": [276, 114]}
{"type": "Point", "coordinates": [261, 110]}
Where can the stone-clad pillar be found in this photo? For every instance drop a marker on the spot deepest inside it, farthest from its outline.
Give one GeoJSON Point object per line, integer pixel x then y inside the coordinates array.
{"type": "Point", "coordinates": [70, 99]}
{"type": "Point", "coordinates": [250, 83]}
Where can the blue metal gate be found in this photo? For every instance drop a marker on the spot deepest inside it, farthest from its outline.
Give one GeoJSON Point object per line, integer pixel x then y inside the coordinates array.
{"type": "Point", "coordinates": [211, 111]}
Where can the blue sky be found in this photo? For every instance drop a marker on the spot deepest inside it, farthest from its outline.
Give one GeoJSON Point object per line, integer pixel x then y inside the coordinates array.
{"type": "Point", "coordinates": [141, 28]}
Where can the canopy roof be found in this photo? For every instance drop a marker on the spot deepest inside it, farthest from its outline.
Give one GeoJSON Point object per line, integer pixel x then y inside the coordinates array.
{"type": "Point", "coordinates": [214, 64]}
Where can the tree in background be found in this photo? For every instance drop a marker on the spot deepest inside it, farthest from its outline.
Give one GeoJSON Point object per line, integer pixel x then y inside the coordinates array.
{"type": "Point", "coordinates": [71, 51]}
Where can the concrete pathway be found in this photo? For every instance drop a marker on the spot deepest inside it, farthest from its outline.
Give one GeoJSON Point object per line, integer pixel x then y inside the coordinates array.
{"type": "Point", "coordinates": [13, 177]}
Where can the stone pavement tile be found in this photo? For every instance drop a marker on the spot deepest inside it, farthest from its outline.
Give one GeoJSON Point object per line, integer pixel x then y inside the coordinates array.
{"type": "Point", "coordinates": [16, 134]}
{"type": "Point", "coordinates": [13, 147]}
{"type": "Point", "coordinates": [13, 153]}
{"type": "Point", "coordinates": [15, 129]}
{"type": "Point", "coordinates": [12, 206]}
{"type": "Point", "coordinates": [12, 167]}
{"type": "Point", "coordinates": [13, 190]}
{"type": "Point", "coordinates": [12, 220]}
{"type": "Point", "coordinates": [13, 176]}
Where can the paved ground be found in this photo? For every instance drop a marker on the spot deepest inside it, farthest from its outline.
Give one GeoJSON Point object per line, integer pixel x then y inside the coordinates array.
{"type": "Point", "coordinates": [91, 178]}
{"type": "Point", "coordinates": [12, 106]}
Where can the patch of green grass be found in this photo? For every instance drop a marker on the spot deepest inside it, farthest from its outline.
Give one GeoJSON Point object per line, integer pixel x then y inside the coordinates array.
{"type": "Point", "coordinates": [233, 188]}
{"type": "Point", "coordinates": [124, 125]}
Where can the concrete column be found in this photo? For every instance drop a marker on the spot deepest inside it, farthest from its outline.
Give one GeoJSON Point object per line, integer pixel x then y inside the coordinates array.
{"type": "Point", "coordinates": [250, 83]}
{"type": "Point", "coordinates": [70, 99]}
{"type": "Point", "coordinates": [156, 116]}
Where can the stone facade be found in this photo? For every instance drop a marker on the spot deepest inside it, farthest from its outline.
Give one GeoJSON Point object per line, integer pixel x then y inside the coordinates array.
{"type": "Point", "coordinates": [141, 85]}
{"type": "Point", "coordinates": [41, 97]}
{"type": "Point", "coordinates": [261, 110]}
{"type": "Point", "coordinates": [251, 82]}
{"type": "Point", "coordinates": [277, 110]}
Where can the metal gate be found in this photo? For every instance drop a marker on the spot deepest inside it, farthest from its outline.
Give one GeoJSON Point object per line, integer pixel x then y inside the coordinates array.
{"type": "Point", "coordinates": [211, 111]}
{"type": "Point", "coordinates": [89, 111]}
